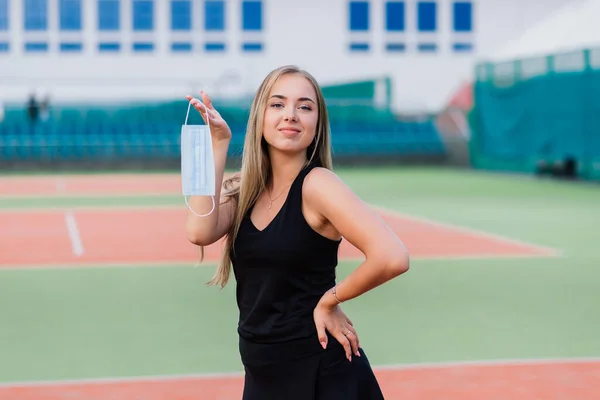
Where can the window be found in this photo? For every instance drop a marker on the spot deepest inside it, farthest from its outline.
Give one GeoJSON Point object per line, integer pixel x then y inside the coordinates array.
{"type": "Point", "coordinates": [109, 47]}
{"type": "Point", "coordinates": [427, 16]}
{"type": "Point", "coordinates": [109, 15]}
{"type": "Point", "coordinates": [427, 47]}
{"type": "Point", "coordinates": [252, 47]}
{"type": "Point", "coordinates": [214, 15]}
{"type": "Point", "coordinates": [4, 12]}
{"type": "Point", "coordinates": [181, 15]}
{"type": "Point", "coordinates": [252, 15]}
{"type": "Point", "coordinates": [181, 47]}
{"type": "Point", "coordinates": [358, 47]}
{"type": "Point", "coordinates": [462, 47]}
{"type": "Point", "coordinates": [36, 47]}
{"type": "Point", "coordinates": [395, 47]}
{"type": "Point", "coordinates": [142, 47]}
{"type": "Point", "coordinates": [70, 15]}
{"type": "Point", "coordinates": [35, 15]}
{"type": "Point", "coordinates": [463, 14]}
{"type": "Point", "coordinates": [359, 16]}
{"type": "Point", "coordinates": [69, 47]}
{"type": "Point", "coordinates": [143, 15]}
{"type": "Point", "coordinates": [214, 46]}
{"type": "Point", "coordinates": [395, 14]}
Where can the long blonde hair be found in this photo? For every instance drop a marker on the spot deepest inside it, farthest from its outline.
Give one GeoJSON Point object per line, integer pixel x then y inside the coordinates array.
{"type": "Point", "coordinates": [245, 187]}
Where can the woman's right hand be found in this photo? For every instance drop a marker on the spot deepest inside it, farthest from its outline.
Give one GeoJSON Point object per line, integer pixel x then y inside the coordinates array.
{"type": "Point", "coordinates": [219, 129]}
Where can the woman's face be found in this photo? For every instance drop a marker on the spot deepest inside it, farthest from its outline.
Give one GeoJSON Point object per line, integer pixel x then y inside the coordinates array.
{"type": "Point", "coordinates": [291, 114]}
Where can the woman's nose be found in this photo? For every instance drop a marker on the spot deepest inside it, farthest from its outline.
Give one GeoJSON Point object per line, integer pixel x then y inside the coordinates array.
{"type": "Point", "coordinates": [290, 116]}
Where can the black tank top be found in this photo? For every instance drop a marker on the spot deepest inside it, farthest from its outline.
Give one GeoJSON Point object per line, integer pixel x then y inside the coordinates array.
{"type": "Point", "coordinates": [282, 272]}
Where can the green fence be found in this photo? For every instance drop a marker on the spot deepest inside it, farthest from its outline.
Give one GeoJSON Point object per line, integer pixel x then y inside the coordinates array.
{"type": "Point", "coordinates": [538, 109]}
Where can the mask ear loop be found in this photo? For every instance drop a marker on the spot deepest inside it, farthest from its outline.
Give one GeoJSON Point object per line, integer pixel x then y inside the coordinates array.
{"type": "Point", "coordinates": [207, 123]}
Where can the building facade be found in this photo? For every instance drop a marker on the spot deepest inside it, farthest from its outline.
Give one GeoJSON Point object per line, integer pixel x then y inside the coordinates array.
{"type": "Point", "coordinates": [84, 50]}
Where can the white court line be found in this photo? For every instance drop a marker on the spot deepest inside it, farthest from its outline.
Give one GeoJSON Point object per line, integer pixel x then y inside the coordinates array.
{"type": "Point", "coordinates": [472, 231]}
{"type": "Point", "coordinates": [74, 236]}
{"type": "Point", "coordinates": [213, 263]}
{"type": "Point", "coordinates": [61, 187]}
{"type": "Point", "coordinates": [239, 374]}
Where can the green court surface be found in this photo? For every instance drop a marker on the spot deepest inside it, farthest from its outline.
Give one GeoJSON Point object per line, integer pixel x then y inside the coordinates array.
{"type": "Point", "coordinates": [88, 322]}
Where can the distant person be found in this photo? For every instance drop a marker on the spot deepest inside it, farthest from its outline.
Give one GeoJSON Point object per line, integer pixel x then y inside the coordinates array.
{"type": "Point", "coordinates": [32, 109]}
{"type": "Point", "coordinates": [284, 216]}
{"type": "Point", "coordinates": [45, 109]}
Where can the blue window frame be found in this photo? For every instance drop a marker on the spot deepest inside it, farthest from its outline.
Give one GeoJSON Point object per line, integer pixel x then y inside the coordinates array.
{"type": "Point", "coordinates": [427, 16]}
{"type": "Point", "coordinates": [462, 12]}
{"type": "Point", "coordinates": [109, 15]}
{"type": "Point", "coordinates": [4, 12]}
{"type": "Point", "coordinates": [70, 15]}
{"type": "Point", "coordinates": [4, 47]}
{"type": "Point", "coordinates": [252, 15]}
{"type": "Point", "coordinates": [35, 15]}
{"type": "Point", "coordinates": [143, 15]}
{"type": "Point", "coordinates": [359, 15]}
{"type": "Point", "coordinates": [395, 14]}
{"type": "Point", "coordinates": [181, 15]}
{"type": "Point", "coordinates": [214, 15]}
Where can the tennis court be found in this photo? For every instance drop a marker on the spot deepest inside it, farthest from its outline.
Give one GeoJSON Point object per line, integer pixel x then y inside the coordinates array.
{"type": "Point", "coordinates": [102, 296]}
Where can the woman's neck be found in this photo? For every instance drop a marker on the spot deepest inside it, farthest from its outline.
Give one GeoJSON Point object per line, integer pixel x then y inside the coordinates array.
{"type": "Point", "coordinates": [284, 169]}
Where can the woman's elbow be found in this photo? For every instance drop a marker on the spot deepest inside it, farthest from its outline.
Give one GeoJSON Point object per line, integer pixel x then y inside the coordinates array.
{"type": "Point", "coordinates": [197, 238]}
{"type": "Point", "coordinates": [397, 263]}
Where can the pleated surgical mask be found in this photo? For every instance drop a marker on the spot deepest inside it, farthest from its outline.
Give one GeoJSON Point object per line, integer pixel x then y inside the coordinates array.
{"type": "Point", "coordinates": [197, 161]}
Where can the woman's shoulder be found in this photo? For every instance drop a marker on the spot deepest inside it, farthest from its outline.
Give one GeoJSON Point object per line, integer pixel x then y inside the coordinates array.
{"type": "Point", "coordinates": [321, 181]}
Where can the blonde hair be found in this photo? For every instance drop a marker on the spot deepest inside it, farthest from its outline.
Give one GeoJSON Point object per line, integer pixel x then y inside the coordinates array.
{"type": "Point", "coordinates": [245, 187]}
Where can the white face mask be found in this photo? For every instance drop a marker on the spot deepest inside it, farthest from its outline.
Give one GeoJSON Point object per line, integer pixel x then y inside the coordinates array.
{"type": "Point", "coordinates": [197, 161]}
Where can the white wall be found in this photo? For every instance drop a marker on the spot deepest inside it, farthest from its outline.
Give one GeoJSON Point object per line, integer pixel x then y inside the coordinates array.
{"type": "Point", "coordinates": [310, 33]}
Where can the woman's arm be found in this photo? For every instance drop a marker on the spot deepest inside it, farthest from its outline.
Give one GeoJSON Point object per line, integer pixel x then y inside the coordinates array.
{"type": "Point", "coordinates": [386, 255]}
{"type": "Point", "coordinates": [326, 196]}
{"type": "Point", "coordinates": [204, 231]}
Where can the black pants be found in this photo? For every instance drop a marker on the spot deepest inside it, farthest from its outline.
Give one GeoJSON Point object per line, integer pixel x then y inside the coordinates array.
{"type": "Point", "coordinates": [290, 372]}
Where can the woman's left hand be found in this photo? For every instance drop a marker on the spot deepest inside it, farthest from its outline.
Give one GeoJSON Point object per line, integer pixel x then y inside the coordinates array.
{"type": "Point", "coordinates": [331, 318]}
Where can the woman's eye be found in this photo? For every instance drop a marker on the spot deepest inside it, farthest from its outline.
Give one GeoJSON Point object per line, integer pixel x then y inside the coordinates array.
{"type": "Point", "coordinates": [307, 108]}
{"type": "Point", "coordinates": [276, 105]}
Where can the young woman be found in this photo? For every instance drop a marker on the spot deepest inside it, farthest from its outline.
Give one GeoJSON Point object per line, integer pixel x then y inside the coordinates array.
{"type": "Point", "coordinates": [284, 216]}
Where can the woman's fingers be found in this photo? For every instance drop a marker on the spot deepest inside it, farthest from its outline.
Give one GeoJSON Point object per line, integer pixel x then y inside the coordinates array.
{"type": "Point", "coordinates": [345, 342]}
{"type": "Point", "coordinates": [207, 101]}
{"type": "Point", "coordinates": [353, 339]}
{"type": "Point", "coordinates": [203, 107]}
{"type": "Point", "coordinates": [355, 335]}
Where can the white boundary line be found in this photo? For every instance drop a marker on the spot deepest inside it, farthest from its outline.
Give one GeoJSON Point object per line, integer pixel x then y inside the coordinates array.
{"type": "Point", "coordinates": [61, 188]}
{"type": "Point", "coordinates": [78, 246]}
{"type": "Point", "coordinates": [211, 264]}
{"type": "Point", "coordinates": [74, 236]}
{"type": "Point", "coordinates": [472, 231]}
{"type": "Point", "coordinates": [239, 374]}
{"type": "Point", "coordinates": [459, 228]}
